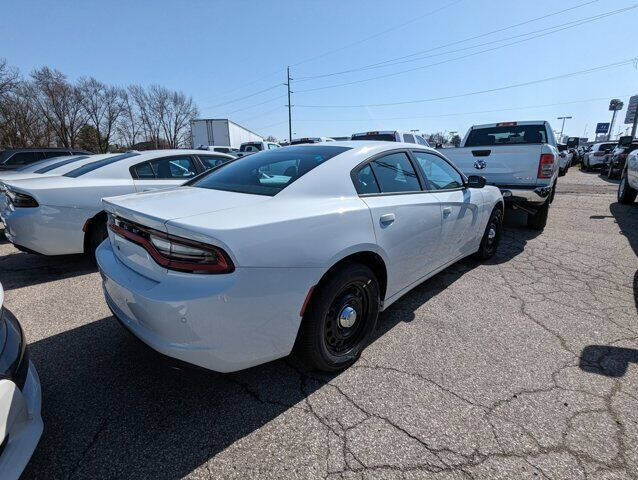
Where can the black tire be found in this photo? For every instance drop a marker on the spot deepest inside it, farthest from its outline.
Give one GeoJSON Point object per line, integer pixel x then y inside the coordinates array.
{"type": "Point", "coordinates": [492, 235]}
{"type": "Point", "coordinates": [626, 194]}
{"type": "Point", "coordinates": [553, 194]}
{"type": "Point", "coordinates": [97, 233]}
{"type": "Point", "coordinates": [610, 171]}
{"type": "Point", "coordinates": [561, 172]}
{"type": "Point", "coordinates": [539, 220]}
{"type": "Point", "coordinates": [324, 342]}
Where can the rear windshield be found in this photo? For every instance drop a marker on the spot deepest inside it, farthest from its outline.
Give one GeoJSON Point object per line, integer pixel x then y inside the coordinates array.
{"type": "Point", "coordinates": [89, 167]}
{"type": "Point", "coordinates": [250, 146]}
{"type": "Point", "coordinates": [382, 137]}
{"type": "Point", "coordinates": [267, 172]}
{"type": "Point", "coordinates": [61, 163]}
{"type": "Point", "coordinates": [507, 135]}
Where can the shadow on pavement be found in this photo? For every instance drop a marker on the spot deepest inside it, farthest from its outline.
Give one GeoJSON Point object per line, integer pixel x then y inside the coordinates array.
{"type": "Point", "coordinates": [607, 360]}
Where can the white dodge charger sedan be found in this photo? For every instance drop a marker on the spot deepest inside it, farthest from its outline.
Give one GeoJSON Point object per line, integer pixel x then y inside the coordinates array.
{"type": "Point", "coordinates": [57, 215]}
{"type": "Point", "coordinates": [298, 247]}
{"type": "Point", "coordinates": [20, 398]}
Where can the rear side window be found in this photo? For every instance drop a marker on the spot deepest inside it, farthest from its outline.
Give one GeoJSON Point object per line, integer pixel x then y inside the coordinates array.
{"type": "Point", "coordinates": [61, 163]}
{"type": "Point", "coordinates": [421, 141]}
{"type": "Point", "coordinates": [268, 172]}
{"type": "Point", "coordinates": [144, 171]}
{"type": "Point", "coordinates": [174, 168]}
{"type": "Point", "coordinates": [89, 167]}
{"type": "Point", "coordinates": [394, 173]}
{"type": "Point", "coordinates": [364, 181]}
{"type": "Point", "coordinates": [212, 161]}
{"type": "Point", "coordinates": [507, 135]}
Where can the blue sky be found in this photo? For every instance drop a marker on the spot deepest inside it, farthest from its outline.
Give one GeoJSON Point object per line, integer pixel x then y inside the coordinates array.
{"type": "Point", "coordinates": [220, 51]}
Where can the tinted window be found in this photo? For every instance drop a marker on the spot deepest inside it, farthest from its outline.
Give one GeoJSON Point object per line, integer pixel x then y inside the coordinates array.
{"type": "Point", "coordinates": [212, 161]}
{"type": "Point", "coordinates": [439, 174]}
{"type": "Point", "coordinates": [89, 167]}
{"type": "Point", "coordinates": [507, 135]}
{"type": "Point", "coordinates": [383, 137]}
{"type": "Point", "coordinates": [407, 138]}
{"type": "Point", "coordinates": [222, 149]}
{"type": "Point", "coordinates": [144, 171]}
{"type": "Point", "coordinates": [250, 147]}
{"type": "Point", "coordinates": [421, 141]}
{"type": "Point", "coordinates": [55, 154]}
{"type": "Point", "coordinates": [61, 163]}
{"type": "Point", "coordinates": [22, 158]}
{"type": "Point", "coordinates": [272, 146]}
{"type": "Point", "coordinates": [607, 147]}
{"type": "Point", "coordinates": [268, 172]}
{"type": "Point", "coordinates": [394, 173]}
{"type": "Point", "coordinates": [173, 168]}
{"type": "Point", "coordinates": [365, 181]}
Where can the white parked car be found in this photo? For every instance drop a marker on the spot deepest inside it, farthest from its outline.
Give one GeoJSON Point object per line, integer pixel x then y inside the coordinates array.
{"type": "Point", "coordinates": [20, 398]}
{"type": "Point", "coordinates": [391, 136]}
{"type": "Point", "coordinates": [628, 187]}
{"type": "Point", "coordinates": [42, 167]}
{"type": "Point", "coordinates": [300, 246]}
{"type": "Point", "coordinates": [63, 214]}
{"type": "Point", "coordinates": [220, 149]}
{"type": "Point", "coordinates": [595, 158]}
{"type": "Point", "coordinates": [248, 148]}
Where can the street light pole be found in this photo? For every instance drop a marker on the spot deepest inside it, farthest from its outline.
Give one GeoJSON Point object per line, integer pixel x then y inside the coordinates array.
{"type": "Point", "coordinates": [289, 109]}
{"type": "Point", "coordinates": [562, 127]}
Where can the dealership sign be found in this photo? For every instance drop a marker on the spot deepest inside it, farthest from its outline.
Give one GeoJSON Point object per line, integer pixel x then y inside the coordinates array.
{"type": "Point", "coordinates": [631, 110]}
{"type": "Point", "coordinates": [602, 127]}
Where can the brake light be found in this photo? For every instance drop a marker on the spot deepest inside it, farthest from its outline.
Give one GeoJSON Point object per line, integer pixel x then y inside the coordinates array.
{"type": "Point", "coordinates": [546, 166]}
{"type": "Point", "coordinates": [507, 124]}
{"type": "Point", "coordinates": [172, 252]}
{"type": "Point", "coordinates": [21, 199]}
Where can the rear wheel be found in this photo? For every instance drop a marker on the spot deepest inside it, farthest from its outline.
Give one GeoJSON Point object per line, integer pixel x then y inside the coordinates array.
{"type": "Point", "coordinates": [492, 235]}
{"type": "Point", "coordinates": [626, 194]}
{"type": "Point", "coordinates": [340, 319]}
{"type": "Point", "coordinates": [97, 234]}
{"type": "Point", "coordinates": [539, 220]}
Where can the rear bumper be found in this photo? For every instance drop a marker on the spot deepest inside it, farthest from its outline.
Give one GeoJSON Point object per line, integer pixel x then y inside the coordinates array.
{"type": "Point", "coordinates": [531, 195]}
{"type": "Point", "coordinates": [23, 423]}
{"type": "Point", "coordinates": [220, 322]}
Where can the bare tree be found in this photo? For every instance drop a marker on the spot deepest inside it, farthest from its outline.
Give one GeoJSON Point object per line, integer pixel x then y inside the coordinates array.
{"type": "Point", "coordinates": [102, 105]}
{"type": "Point", "coordinates": [9, 78]}
{"type": "Point", "coordinates": [146, 109]}
{"type": "Point", "coordinates": [60, 103]}
{"type": "Point", "coordinates": [129, 126]}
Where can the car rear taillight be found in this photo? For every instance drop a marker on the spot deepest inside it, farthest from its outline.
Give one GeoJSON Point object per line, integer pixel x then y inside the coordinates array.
{"type": "Point", "coordinates": [546, 166]}
{"type": "Point", "coordinates": [21, 199]}
{"type": "Point", "coordinates": [172, 252]}
{"type": "Point", "coordinates": [599, 154]}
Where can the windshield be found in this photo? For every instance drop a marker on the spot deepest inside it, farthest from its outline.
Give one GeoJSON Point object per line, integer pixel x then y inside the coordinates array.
{"type": "Point", "coordinates": [267, 172]}
{"type": "Point", "coordinates": [507, 135]}
{"type": "Point", "coordinates": [382, 137]}
{"type": "Point", "coordinates": [606, 147]}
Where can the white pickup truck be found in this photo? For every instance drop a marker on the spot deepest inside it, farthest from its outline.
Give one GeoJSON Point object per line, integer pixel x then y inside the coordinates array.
{"type": "Point", "coordinates": [521, 158]}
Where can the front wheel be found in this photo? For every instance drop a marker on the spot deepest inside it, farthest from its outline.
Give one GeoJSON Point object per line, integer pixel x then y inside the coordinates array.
{"type": "Point", "coordinates": [492, 235]}
{"type": "Point", "coordinates": [626, 194]}
{"type": "Point", "coordinates": [340, 319]}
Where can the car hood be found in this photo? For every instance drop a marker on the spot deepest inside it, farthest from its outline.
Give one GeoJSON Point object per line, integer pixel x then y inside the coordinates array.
{"type": "Point", "coordinates": [159, 206]}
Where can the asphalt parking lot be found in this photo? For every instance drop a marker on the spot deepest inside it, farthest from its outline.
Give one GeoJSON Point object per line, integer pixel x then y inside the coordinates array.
{"type": "Point", "coordinates": [524, 367]}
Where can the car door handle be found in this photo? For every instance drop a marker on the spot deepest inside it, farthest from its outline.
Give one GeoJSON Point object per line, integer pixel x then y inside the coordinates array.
{"type": "Point", "coordinates": [386, 219]}
{"type": "Point", "coordinates": [447, 211]}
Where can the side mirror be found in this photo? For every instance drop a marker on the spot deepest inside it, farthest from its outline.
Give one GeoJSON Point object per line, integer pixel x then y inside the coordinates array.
{"type": "Point", "coordinates": [475, 181]}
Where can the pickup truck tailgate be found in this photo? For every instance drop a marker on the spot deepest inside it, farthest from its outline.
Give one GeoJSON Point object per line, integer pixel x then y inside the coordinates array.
{"type": "Point", "coordinates": [499, 164]}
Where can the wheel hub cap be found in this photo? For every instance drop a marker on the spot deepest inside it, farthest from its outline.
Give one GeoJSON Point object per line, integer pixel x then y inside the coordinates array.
{"type": "Point", "coordinates": [347, 317]}
{"type": "Point", "coordinates": [491, 233]}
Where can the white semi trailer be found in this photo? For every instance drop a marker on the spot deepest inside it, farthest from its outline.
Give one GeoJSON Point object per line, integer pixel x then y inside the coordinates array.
{"type": "Point", "coordinates": [220, 131]}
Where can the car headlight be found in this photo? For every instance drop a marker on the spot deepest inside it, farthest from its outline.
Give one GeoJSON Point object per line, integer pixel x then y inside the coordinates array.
{"type": "Point", "coordinates": [21, 199]}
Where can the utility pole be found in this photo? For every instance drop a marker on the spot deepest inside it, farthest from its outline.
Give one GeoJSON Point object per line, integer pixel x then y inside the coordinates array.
{"type": "Point", "coordinates": [289, 109]}
{"type": "Point", "coordinates": [562, 127]}
{"type": "Point", "coordinates": [633, 129]}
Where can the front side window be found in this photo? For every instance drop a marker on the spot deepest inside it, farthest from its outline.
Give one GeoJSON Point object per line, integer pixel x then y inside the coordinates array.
{"type": "Point", "coordinates": [439, 175]}
{"type": "Point", "coordinates": [267, 172]}
{"type": "Point", "coordinates": [394, 173]}
{"type": "Point", "coordinates": [23, 158]}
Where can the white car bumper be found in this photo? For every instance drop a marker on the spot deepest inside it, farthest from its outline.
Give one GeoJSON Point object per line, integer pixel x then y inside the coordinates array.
{"type": "Point", "coordinates": [44, 229]}
{"type": "Point", "coordinates": [220, 322]}
{"type": "Point", "coordinates": [21, 422]}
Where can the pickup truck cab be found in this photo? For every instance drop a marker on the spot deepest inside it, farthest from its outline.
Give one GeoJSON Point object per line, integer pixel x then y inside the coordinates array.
{"type": "Point", "coordinates": [247, 148]}
{"type": "Point", "coordinates": [521, 158]}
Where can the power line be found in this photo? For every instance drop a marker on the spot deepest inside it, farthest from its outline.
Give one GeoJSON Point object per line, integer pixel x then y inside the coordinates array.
{"type": "Point", "coordinates": [245, 96]}
{"type": "Point", "coordinates": [378, 34]}
{"type": "Point", "coordinates": [496, 110]}
{"type": "Point", "coordinates": [244, 120]}
{"type": "Point", "coordinates": [555, 29]}
{"type": "Point", "coordinates": [253, 105]}
{"type": "Point", "coordinates": [532, 82]}
{"type": "Point", "coordinates": [509, 27]}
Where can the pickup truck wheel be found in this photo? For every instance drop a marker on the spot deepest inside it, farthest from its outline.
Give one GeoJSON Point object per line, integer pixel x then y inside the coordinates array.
{"type": "Point", "coordinates": [553, 194]}
{"type": "Point", "coordinates": [539, 220]}
{"type": "Point", "coordinates": [626, 194]}
{"type": "Point", "coordinates": [339, 319]}
{"type": "Point", "coordinates": [492, 235]}
{"type": "Point", "coordinates": [561, 172]}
